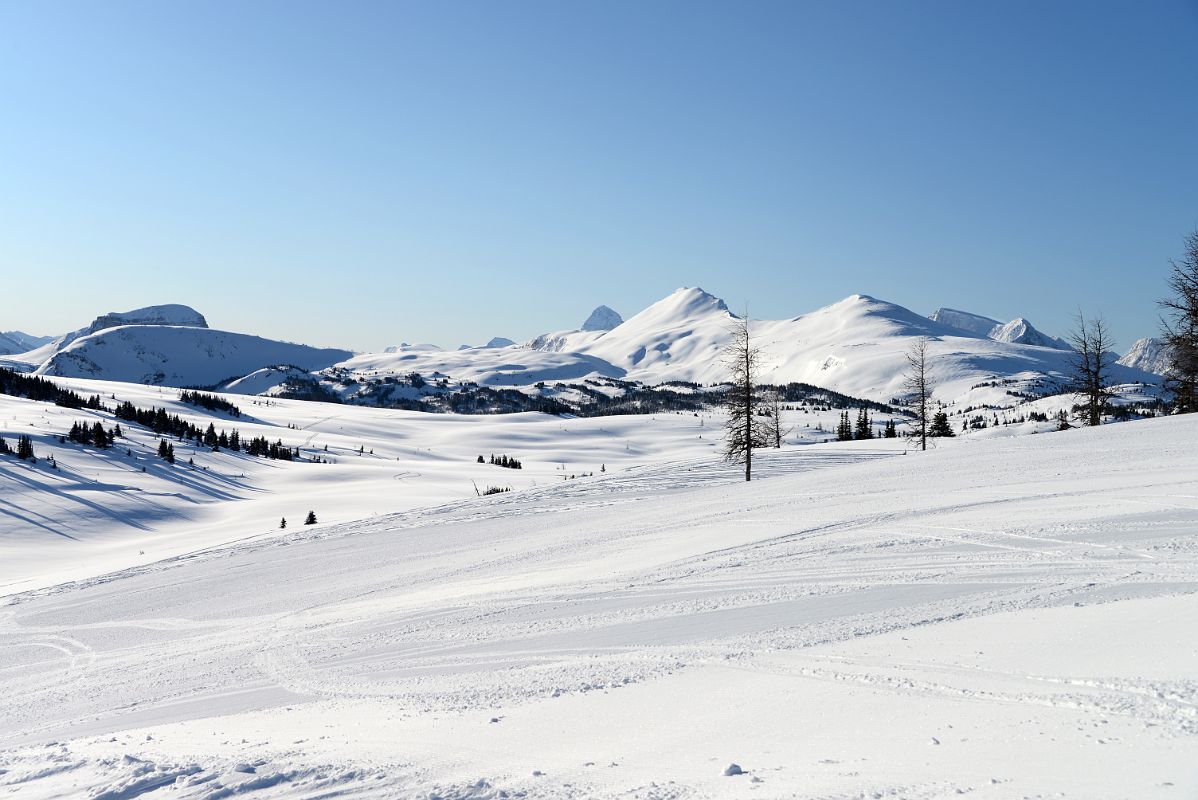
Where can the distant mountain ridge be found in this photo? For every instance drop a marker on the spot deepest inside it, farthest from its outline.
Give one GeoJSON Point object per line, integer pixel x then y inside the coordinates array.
{"type": "Point", "coordinates": [1149, 354]}
{"type": "Point", "coordinates": [856, 346]}
{"type": "Point", "coordinates": [1017, 331]}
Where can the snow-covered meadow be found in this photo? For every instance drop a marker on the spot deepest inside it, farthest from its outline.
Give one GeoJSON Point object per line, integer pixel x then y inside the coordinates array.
{"type": "Point", "coordinates": [999, 617]}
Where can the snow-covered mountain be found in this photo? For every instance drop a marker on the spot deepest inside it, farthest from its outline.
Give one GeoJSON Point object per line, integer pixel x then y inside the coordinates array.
{"type": "Point", "coordinates": [179, 356]}
{"type": "Point", "coordinates": [1020, 331]}
{"type": "Point", "coordinates": [12, 342]}
{"type": "Point", "coordinates": [1017, 331]}
{"type": "Point", "coordinates": [168, 345]}
{"type": "Point", "coordinates": [494, 341]}
{"type": "Point", "coordinates": [965, 321]}
{"type": "Point", "coordinates": [1149, 354]}
{"type": "Point", "coordinates": [169, 314]}
{"type": "Point", "coordinates": [602, 319]}
{"type": "Point", "coordinates": [856, 346]}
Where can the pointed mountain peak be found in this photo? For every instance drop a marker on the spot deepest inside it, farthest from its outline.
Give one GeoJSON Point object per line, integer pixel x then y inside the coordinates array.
{"type": "Point", "coordinates": [602, 318]}
{"type": "Point", "coordinates": [689, 301]}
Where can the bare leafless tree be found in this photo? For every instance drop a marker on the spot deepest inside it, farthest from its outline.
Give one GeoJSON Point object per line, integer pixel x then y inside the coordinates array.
{"type": "Point", "coordinates": [772, 430]}
{"type": "Point", "coordinates": [1179, 329]}
{"type": "Point", "coordinates": [1091, 363]}
{"type": "Point", "coordinates": [917, 386]}
{"type": "Point", "coordinates": [742, 358]}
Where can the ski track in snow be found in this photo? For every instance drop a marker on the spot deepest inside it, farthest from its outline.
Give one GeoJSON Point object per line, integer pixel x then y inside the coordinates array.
{"type": "Point", "coordinates": [1014, 619]}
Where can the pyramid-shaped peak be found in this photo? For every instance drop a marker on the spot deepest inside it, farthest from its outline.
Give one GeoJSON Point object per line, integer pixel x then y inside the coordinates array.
{"type": "Point", "coordinates": [603, 318]}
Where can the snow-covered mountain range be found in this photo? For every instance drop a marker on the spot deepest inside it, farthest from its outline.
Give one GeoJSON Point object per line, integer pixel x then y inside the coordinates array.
{"type": "Point", "coordinates": [856, 346]}
{"type": "Point", "coordinates": [1017, 331]}
{"type": "Point", "coordinates": [20, 342]}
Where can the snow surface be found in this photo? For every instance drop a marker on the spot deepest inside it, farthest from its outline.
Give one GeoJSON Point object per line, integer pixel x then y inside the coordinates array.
{"type": "Point", "coordinates": [997, 618]}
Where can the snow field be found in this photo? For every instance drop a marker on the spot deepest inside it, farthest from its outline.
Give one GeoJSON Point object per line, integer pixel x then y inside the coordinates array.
{"type": "Point", "coordinates": [1002, 618]}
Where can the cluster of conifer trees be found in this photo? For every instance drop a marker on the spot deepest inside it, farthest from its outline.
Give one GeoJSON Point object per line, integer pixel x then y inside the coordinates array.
{"type": "Point", "coordinates": [24, 449]}
{"type": "Point", "coordinates": [503, 461]}
{"type": "Point", "coordinates": [94, 434]}
{"type": "Point", "coordinates": [847, 431]}
{"type": "Point", "coordinates": [34, 388]}
{"type": "Point", "coordinates": [210, 402]}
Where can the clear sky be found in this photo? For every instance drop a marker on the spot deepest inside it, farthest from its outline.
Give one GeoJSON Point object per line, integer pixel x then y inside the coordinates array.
{"type": "Point", "coordinates": [357, 174]}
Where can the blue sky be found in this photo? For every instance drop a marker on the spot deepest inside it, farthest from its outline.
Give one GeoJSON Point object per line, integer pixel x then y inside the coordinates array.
{"type": "Point", "coordinates": [357, 174]}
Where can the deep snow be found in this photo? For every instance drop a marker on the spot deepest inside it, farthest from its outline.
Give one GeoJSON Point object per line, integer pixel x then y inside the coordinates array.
{"type": "Point", "coordinates": [998, 618]}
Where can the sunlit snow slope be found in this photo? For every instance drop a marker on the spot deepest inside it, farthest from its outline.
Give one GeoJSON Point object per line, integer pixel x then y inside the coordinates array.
{"type": "Point", "coordinates": [1004, 618]}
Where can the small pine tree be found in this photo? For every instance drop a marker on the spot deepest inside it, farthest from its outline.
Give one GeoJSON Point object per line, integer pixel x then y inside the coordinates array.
{"type": "Point", "coordinates": [863, 429]}
{"type": "Point", "coordinates": [283, 523]}
{"type": "Point", "coordinates": [24, 448]}
{"type": "Point", "coordinates": [311, 518]}
{"type": "Point", "coordinates": [940, 425]}
{"type": "Point", "coordinates": [482, 460]}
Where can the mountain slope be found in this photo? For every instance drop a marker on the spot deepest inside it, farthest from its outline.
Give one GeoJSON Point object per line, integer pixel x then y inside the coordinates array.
{"type": "Point", "coordinates": [965, 321]}
{"type": "Point", "coordinates": [1017, 331]}
{"type": "Point", "coordinates": [676, 338]}
{"type": "Point", "coordinates": [1149, 354]}
{"type": "Point", "coordinates": [179, 356]}
{"type": "Point", "coordinates": [168, 314]}
{"type": "Point", "coordinates": [12, 342]}
{"type": "Point", "coordinates": [1020, 331]}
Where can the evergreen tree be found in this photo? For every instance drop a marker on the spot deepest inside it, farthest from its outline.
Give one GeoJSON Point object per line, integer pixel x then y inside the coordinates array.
{"type": "Point", "coordinates": [844, 429]}
{"type": "Point", "coordinates": [311, 518]}
{"type": "Point", "coordinates": [4, 448]}
{"type": "Point", "coordinates": [1180, 329]}
{"type": "Point", "coordinates": [283, 523]}
{"type": "Point", "coordinates": [24, 448]}
{"type": "Point", "coordinates": [940, 425]}
{"type": "Point", "coordinates": [863, 429]}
